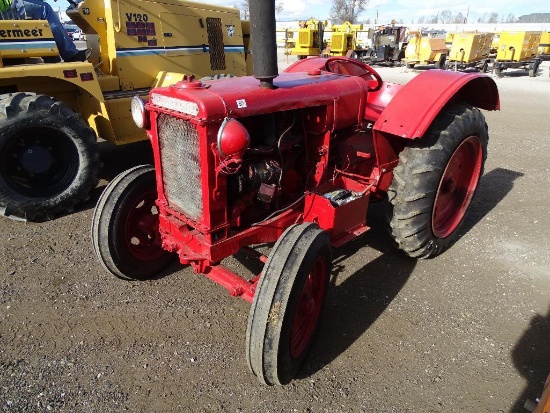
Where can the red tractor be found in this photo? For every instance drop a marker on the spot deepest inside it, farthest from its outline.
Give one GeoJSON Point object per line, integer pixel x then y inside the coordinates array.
{"type": "Point", "coordinates": [295, 159]}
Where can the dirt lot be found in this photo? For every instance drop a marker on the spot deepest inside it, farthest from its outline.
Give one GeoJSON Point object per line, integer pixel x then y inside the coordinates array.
{"type": "Point", "coordinates": [466, 332]}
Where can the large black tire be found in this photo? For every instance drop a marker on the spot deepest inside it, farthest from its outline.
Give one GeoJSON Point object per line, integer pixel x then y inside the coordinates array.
{"type": "Point", "coordinates": [435, 181]}
{"type": "Point", "coordinates": [440, 64]}
{"type": "Point", "coordinates": [49, 159]}
{"type": "Point", "coordinates": [288, 303]}
{"type": "Point", "coordinates": [125, 231]}
{"type": "Point", "coordinates": [533, 70]}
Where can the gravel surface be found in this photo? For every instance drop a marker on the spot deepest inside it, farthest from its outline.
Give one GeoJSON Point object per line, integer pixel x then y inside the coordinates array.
{"type": "Point", "coordinates": [468, 331]}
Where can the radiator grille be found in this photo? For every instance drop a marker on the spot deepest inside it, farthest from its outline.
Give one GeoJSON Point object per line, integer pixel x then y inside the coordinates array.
{"type": "Point", "coordinates": [181, 168]}
{"type": "Point", "coordinates": [215, 41]}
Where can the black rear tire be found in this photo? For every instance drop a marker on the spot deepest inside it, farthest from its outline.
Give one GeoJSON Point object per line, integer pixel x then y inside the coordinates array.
{"type": "Point", "coordinates": [125, 232]}
{"type": "Point", "coordinates": [435, 181]}
{"type": "Point", "coordinates": [49, 159]}
{"type": "Point", "coordinates": [288, 303]}
{"type": "Point", "coordinates": [440, 64]}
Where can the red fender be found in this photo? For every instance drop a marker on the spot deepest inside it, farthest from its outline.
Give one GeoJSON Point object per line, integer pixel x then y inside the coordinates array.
{"type": "Point", "coordinates": [416, 104]}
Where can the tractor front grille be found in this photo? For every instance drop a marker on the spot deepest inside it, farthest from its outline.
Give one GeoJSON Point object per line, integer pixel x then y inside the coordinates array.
{"type": "Point", "coordinates": [181, 167]}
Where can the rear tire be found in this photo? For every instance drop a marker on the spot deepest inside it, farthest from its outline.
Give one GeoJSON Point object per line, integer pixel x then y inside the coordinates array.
{"type": "Point", "coordinates": [125, 231]}
{"type": "Point", "coordinates": [49, 159]}
{"type": "Point", "coordinates": [435, 181]}
{"type": "Point", "coordinates": [288, 303]}
{"type": "Point", "coordinates": [440, 64]}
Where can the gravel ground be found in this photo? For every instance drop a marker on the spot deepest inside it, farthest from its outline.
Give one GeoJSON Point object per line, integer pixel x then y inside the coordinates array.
{"type": "Point", "coordinates": [468, 331]}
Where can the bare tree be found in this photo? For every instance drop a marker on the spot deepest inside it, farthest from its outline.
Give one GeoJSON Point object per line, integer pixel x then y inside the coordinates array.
{"type": "Point", "coordinates": [445, 16]}
{"type": "Point", "coordinates": [459, 18]}
{"type": "Point", "coordinates": [421, 20]}
{"type": "Point", "coordinates": [347, 10]}
{"type": "Point", "coordinates": [493, 18]}
{"type": "Point", "coordinates": [511, 18]}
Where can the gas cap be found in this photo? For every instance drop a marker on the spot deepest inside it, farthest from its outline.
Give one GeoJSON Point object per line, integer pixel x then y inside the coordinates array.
{"type": "Point", "coordinates": [314, 72]}
{"type": "Point", "coordinates": [189, 82]}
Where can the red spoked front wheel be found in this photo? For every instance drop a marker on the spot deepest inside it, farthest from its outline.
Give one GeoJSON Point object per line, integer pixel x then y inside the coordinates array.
{"type": "Point", "coordinates": [125, 226]}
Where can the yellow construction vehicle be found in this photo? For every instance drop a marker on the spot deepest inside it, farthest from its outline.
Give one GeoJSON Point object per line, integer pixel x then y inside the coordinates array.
{"type": "Point", "coordinates": [517, 50]}
{"type": "Point", "coordinates": [310, 41]}
{"type": "Point", "coordinates": [344, 38]}
{"type": "Point", "coordinates": [424, 50]}
{"type": "Point", "coordinates": [51, 114]}
{"type": "Point", "coordinates": [470, 50]}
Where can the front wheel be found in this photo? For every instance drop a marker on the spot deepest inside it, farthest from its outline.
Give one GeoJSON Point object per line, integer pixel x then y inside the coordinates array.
{"type": "Point", "coordinates": [435, 181]}
{"type": "Point", "coordinates": [125, 226]}
{"type": "Point", "coordinates": [287, 305]}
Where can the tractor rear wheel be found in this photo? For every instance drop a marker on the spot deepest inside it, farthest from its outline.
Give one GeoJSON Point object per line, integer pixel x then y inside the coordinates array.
{"type": "Point", "coordinates": [49, 159]}
{"type": "Point", "coordinates": [125, 232]}
{"type": "Point", "coordinates": [287, 305]}
{"type": "Point", "coordinates": [435, 181]}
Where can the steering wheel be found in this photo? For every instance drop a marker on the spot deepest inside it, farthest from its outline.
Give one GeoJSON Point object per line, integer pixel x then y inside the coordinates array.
{"type": "Point", "coordinates": [352, 67]}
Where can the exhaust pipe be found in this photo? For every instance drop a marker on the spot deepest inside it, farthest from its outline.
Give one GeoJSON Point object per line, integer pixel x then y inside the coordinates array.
{"type": "Point", "coordinates": [264, 42]}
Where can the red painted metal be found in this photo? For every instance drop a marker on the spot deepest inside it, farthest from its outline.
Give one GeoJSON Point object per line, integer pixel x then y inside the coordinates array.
{"type": "Point", "coordinates": [308, 308]}
{"type": "Point", "coordinates": [413, 109]}
{"type": "Point", "coordinates": [457, 186]}
{"type": "Point", "coordinates": [142, 229]}
{"type": "Point", "coordinates": [235, 284]}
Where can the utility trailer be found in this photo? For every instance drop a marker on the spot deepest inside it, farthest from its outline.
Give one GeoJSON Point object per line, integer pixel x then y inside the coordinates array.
{"type": "Point", "coordinates": [470, 50]}
{"type": "Point", "coordinates": [517, 50]}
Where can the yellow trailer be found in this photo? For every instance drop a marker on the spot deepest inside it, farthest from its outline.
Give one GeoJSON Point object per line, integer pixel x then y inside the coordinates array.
{"type": "Point", "coordinates": [544, 45]}
{"type": "Point", "coordinates": [470, 49]}
{"type": "Point", "coordinates": [517, 50]}
{"type": "Point", "coordinates": [425, 50]}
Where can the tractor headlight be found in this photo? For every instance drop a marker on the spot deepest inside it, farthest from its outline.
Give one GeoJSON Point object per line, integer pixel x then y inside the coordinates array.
{"type": "Point", "coordinates": [137, 107]}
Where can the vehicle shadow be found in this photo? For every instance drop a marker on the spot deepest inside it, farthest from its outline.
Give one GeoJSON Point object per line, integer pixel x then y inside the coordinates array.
{"type": "Point", "coordinates": [116, 159]}
{"type": "Point", "coordinates": [493, 188]}
{"type": "Point", "coordinates": [531, 358]}
{"type": "Point", "coordinates": [355, 304]}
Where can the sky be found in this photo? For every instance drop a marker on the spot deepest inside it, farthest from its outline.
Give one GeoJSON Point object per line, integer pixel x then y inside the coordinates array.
{"type": "Point", "coordinates": [407, 10]}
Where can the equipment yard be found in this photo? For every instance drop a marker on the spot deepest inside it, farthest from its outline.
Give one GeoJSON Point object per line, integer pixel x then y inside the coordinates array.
{"type": "Point", "coordinates": [468, 331]}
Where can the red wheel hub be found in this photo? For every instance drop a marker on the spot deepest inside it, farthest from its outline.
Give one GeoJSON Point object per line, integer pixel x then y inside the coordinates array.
{"type": "Point", "coordinates": [457, 186]}
{"type": "Point", "coordinates": [141, 229]}
{"type": "Point", "coordinates": [308, 308]}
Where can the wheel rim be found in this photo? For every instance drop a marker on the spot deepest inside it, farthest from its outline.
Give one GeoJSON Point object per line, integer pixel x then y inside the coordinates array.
{"type": "Point", "coordinates": [142, 229]}
{"type": "Point", "coordinates": [308, 308]}
{"type": "Point", "coordinates": [39, 162]}
{"type": "Point", "coordinates": [457, 186]}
